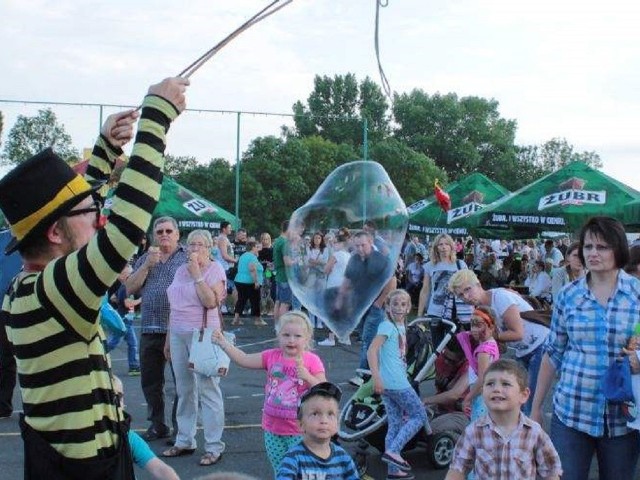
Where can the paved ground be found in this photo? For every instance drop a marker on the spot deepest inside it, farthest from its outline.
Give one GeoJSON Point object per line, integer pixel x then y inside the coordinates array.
{"type": "Point", "coordinates": [243, 402]}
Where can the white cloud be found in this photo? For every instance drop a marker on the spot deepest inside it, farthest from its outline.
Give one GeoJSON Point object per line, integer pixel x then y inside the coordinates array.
{"type": "Point", "coordinates": [561, 69]}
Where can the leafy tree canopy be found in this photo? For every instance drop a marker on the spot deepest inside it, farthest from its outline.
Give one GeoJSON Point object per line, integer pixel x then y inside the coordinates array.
{"type": "Point", "coordinates": [556, 154]}
{"type": "Point", "coordinates": [30, 135]}
{"type": "Point", "coordinates": [462, 135]}
{"type": "Point", "coordinates": [336, 108]}
{"type": "Point", "coordinates": [175, 166]}
{"type": "Point", "coordinates": [412, 173]}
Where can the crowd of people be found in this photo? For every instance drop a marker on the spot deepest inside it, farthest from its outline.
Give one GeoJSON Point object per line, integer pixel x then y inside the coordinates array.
{"type": "Point", "coordinates": [75, 424]}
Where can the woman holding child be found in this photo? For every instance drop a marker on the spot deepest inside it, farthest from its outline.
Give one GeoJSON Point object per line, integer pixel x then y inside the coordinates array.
{"type": "Point", "coordinates": [527, 338]}
{"type": "Point", "coordinates": [593, 320]}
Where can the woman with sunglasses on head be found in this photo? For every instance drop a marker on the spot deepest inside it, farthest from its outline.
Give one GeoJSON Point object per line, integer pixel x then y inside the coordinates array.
{"type": "Point", "coordinates": [438, 270]}
{"type": "Point", "coordinates": [195, 295]}
{"type": "Point", "coordinates": [593, 319]}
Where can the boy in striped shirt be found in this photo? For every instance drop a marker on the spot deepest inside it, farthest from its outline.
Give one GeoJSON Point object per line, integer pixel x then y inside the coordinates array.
{"type": "Point", "coordinates": [316, 456]}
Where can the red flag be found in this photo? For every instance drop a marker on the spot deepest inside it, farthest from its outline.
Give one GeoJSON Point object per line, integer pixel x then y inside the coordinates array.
{"type": "Point", "coordinates": [442, 197]}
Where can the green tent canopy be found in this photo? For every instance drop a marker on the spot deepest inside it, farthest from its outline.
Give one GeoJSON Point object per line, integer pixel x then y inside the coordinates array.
{"type": "Point", "coordinates": [190, 210]}
{"type": "Point", "coordinates": [468, 195]}
{"type": "Point", "coordinates": [631, 214]}
{"type": "Point", "coordinates": [561, 201]}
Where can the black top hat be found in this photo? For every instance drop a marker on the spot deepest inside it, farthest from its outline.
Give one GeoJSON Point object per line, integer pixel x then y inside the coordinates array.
{"type": "Point", "coordinates": [37, 192]}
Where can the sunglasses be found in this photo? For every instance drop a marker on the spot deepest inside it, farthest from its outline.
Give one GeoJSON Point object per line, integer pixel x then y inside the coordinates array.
{"type": "Point", "coordinates": [324, 389]}
{"type": "Point", "coordinates": [96, 208]}
{"type": "Point", "coordinates": [166, 231]}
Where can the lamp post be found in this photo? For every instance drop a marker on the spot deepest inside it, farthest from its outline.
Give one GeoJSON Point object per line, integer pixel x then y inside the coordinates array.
{"type": "Point", "coordinates": [237, 212]}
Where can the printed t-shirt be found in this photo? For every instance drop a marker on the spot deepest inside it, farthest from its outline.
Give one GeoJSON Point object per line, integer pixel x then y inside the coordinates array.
{"type": "Point", "coordinates": [284, 389]}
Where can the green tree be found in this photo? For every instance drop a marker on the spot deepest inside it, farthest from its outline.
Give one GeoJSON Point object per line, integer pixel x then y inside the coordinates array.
{"type": "Point", "coordinates": [336, 108]}
{"type": "Point", "coordinates": [214, 181]}
{"type": "Point", "coordinates": [462, 135]}
{"type": "Point", "coordinates": [30, 135]}
{"type": "Point", "coordinates": [280, 175]}
{"type": "Point", "coordinates": [411, 172]}
{"type": "Point", "coordinates": [535, 161]}
{"type": "Point", "coordinates": [174, 166]}
{"type": "Point", "coordinates": [557, 153]}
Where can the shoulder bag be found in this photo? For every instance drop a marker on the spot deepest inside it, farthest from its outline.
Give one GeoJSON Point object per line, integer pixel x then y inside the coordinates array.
{"type": "Point", "coordinates": [206, 357]}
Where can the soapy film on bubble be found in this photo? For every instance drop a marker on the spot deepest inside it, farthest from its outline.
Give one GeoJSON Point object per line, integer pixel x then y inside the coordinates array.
{"type": "Point", "coordinates": [353, 196]}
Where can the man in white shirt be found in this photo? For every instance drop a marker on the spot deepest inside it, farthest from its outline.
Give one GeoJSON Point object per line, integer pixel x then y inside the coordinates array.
{"type": "Point", "coordinates": [552, 252]}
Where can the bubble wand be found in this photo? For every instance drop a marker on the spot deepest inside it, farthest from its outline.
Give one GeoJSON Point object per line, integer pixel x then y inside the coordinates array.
{"type": "Point", "coordinates": [267, 11]}
{"type": "Point", "coordinates": [258, 17]}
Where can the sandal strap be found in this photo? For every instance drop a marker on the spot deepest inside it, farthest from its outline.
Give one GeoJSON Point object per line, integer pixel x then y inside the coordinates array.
{"type": "Point", "coordinates": [209, 458]}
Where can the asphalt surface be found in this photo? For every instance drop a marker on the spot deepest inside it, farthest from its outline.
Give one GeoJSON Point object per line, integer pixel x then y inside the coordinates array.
{"type": "Point", "coordinates": [242, 390]}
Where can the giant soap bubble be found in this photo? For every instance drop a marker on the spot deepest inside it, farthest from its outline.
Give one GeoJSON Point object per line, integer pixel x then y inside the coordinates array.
{"type": "Point", "coordinates": [360, 214]}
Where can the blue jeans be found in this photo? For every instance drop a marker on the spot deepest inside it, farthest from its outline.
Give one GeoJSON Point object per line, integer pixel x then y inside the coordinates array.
{"type": "Point", "coordinates": [617, 456]}
{"type": "Point", "coordinates": [132, 345]}
{"type": "Point", "coordinates": [531, 362]}
{"type": "Point", "coordinates": [370, 323]}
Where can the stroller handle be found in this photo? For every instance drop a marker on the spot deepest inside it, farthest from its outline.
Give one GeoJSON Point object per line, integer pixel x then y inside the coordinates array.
{"type": "Point", "coordinates": [452, 328]}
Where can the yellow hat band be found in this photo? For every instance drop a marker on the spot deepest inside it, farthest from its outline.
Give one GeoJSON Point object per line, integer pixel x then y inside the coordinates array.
{"type": "Point", "coordinates": [75, 187]}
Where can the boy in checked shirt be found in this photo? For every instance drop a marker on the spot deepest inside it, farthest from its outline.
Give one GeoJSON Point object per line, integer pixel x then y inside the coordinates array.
{"type": "Point", "coordinates": [505, 444]}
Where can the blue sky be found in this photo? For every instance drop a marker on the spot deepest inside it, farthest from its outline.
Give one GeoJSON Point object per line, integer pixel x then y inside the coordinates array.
{"type": "Point", "coordinates": [560, 68]}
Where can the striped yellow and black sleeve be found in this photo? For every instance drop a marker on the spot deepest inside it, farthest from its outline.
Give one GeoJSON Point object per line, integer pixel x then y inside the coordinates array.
{"type": "Point", "coordinates": [53, 315]}
{"type": "Point", "coordinates": [102, 161]}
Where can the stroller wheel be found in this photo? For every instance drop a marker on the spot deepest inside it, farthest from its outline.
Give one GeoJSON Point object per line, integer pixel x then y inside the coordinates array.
{"type": "Point", "coordinates": [440, 450]}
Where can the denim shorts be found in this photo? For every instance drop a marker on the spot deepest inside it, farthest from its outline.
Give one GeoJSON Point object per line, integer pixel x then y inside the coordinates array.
{"type": "Point", "coordinates": [283, 293]}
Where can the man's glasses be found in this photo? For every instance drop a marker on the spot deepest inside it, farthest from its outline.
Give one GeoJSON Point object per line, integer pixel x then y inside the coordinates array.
{"type": "Point", "coordinates": [95, 208]}
{"type": "Point", "coordinates": [323, 389]}
{"type": "Point", "coordinates": [166, 231]}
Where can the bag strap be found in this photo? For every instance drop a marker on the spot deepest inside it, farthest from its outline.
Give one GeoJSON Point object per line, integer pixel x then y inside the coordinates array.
{"type": "Point", "coordinates": [204, 318]}
{"type": "Point", "coordinates": [454, 308]}
{"type": "Point", "coordinates": [220, 317]}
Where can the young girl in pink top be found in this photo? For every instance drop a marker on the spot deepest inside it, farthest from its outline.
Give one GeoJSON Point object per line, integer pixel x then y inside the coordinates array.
{"type": "Point", "coordinates": [291, 370]}
{"type": "Point", "coordinates": [481, 349]}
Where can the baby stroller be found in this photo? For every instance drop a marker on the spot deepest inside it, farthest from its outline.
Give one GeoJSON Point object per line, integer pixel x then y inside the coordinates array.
{"type": "Point", "coordinates": [363, 418]}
